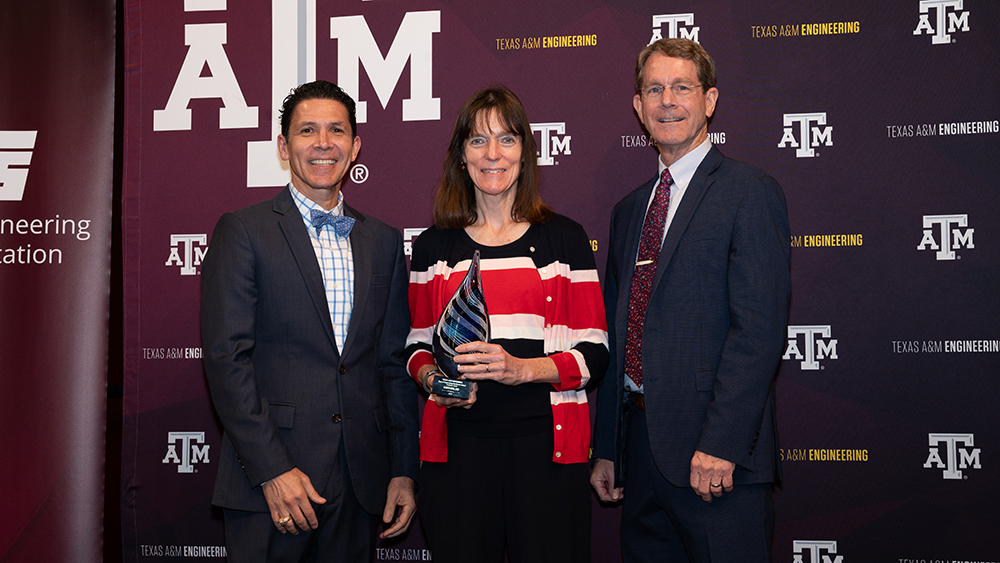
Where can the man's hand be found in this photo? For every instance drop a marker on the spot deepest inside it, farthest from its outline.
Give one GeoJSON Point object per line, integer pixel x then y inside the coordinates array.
{"type": "Point", "coordinates": [288, 496]}
{"type": "Point", "coordinates": [602, 478]}
{"type": "Point", "coordinates": [401, 494]}
{"type": "Point", "coordinates": [711, 475]}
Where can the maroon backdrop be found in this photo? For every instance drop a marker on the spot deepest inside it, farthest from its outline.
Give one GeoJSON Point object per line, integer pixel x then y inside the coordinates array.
{"type": "Point", "coordinates": [880, 121]}
{"type": "Point", "coordinates": [56, 138]}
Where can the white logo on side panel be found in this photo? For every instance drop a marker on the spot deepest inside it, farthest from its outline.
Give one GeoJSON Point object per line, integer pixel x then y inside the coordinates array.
{"type": "Point", "coordinates": [950, 235]}
{"type": "Point", "coordinates": [956, 457]}
{"type": "Point", "coordinates": [674, 23]}
{"type": "Point", "coordinates": [945, 21]}
{"type": "Point", "coordinates": [15, 150]}
{"type": "Point", "coordinates": [189, 453]}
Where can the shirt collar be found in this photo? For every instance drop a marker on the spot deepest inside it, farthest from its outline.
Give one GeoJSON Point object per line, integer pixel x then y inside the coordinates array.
{"type": "Point", "coordinates": [305, 204]}
{"type": "Point", "coordinates": [683, 170]}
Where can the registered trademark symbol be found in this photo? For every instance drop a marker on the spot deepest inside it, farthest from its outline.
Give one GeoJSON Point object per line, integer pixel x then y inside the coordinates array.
{"type": "Point", "coordinates": [359, 174]}
{"type": "Point", "coordinates": [959, 257]}
{"type": "Point", "coordinates": [822, 368]}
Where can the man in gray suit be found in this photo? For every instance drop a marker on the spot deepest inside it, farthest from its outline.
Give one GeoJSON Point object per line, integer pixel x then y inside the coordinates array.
{"type": "Point", "coordinates": [697, 293]}
{"type": "Point", "coordinates": [304, 317]}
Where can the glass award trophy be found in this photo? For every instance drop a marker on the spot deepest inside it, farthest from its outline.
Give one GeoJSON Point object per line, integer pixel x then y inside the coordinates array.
{"type": "Point", "coordinates": [464, 319]}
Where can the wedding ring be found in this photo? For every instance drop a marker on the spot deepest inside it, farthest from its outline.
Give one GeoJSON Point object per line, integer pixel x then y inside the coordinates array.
{"type": "Point", "coordinates": [718, 485]}
{"type": "Point", "coordinates": [285, 520]}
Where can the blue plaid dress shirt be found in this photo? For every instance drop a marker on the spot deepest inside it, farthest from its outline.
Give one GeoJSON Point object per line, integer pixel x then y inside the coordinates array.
{"type": "Point", "coordinates": [336, 262]}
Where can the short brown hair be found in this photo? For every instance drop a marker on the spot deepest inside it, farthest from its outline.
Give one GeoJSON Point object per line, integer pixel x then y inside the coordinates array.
{"type": "Point", "coordinates": [678, 49]}
{"type": "Point", "coordinates": [455, 202]}
{"type": "Point", "coordinates": [318, 90]}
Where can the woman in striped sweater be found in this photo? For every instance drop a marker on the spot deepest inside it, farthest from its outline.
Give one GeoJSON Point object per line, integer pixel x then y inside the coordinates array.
{"type": "Point", "coordinates": [507, 466]}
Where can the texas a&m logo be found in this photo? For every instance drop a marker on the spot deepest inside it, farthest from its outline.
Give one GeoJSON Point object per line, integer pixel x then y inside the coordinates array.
{"type": "Point", "coordinates": [956, 457]}
{"type": "Point", "coordinates": [948, 18]}
{"type": "Point", "coordinates": [295, 33]}
{"type": "Point", "coordinates": [820, 551]}
{"type": "Point", "coordinates": [553, 141]}
{"type": "Point", "coordinates": [187, 251]}
{"type": "Point", "coordinates": [810, 136]}
{"type": "Point", "coordinates": [183, 450]}
{"type": "Point", "coordinates": [816, 345]}
{"type": "Point", "coordinates": [950, 235]}
{"type": "Point", "coordinates": [678, 26]}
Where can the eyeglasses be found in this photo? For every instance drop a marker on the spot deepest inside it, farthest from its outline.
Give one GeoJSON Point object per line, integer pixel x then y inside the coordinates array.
{"type": "Point", "coordinates": [680, 90]}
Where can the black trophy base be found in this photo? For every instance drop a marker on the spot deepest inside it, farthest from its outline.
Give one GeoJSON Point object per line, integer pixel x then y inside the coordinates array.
{"type": "Point", "coordinates": [457, 388]}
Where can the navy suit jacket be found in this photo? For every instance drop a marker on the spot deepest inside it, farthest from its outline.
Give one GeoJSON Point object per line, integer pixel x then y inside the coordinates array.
{"type": "Point", "coordinates": [285, 395]}
{"type": "Point", "coordinates": [714, 328]}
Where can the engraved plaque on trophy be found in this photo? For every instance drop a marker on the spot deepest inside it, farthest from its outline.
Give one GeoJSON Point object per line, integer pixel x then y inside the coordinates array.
{"type": "Point", "coordinates": [463, 320]}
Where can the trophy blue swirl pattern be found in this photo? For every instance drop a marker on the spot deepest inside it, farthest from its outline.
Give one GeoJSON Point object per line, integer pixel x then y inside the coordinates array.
{"type": "Point", "coordinates": [464, 319]}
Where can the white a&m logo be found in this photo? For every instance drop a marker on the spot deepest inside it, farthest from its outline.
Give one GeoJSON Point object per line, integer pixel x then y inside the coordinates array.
{"type": "Point", "coordinates": [295, 33]}
{"type": "Point", "coordinates": [674, 29]}
{"type": "Point", "coordinates": [956, 457]}
{"type": "Point", "coordinates": [814, 346]}
{"type": "Point", "coordinates": [15, 150]}
{"type": "Point", "coordinates": [410, 235]}
{"type": "Point", "coordinates": [810, 136]}
{"type": "Point", "coordinates": [823, 551]}
{"type": "Point", "coordinates": [950, 234]}
{"type": "Point", "coordinates": [190, 453]}
{"type": "Point", "coordinates": [945, 21]}
{"type": "Point", "coordinates": [185, 253]}
{"type": "Point", "coordinates": [553, 142]}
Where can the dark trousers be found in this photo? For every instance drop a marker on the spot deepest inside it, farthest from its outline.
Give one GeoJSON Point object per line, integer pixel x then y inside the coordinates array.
{"type": "Point", "coordinates": [666, 523]}
{"type": "Point", "coordinates": [346, 533]}
{"type": "Point", "coordinates": [497, 491]}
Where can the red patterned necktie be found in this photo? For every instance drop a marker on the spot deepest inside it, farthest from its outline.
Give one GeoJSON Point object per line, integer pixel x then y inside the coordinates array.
{"type": "Point", "coordinates": [642, 280]}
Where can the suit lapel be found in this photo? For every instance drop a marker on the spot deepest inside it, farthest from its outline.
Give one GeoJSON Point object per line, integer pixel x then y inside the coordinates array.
{"type": "Point", "coordinates": [689, 203]}
{"type": "Point", "coordinates": [297, 237]}
{"type": "Point", "coordinates": [361, 249]}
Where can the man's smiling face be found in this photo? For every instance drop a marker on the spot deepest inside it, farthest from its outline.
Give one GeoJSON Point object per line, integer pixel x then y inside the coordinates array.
{"type": "Point", "coordinates": [319, 149]}
{"type": "Point", "coordinates": [677, 124]}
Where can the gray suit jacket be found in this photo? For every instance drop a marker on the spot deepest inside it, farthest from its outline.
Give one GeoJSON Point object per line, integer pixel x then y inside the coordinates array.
{"type": "Point", "coordinates": [284, 394]}
{"type": "Point", "coordinates": [715, 324]}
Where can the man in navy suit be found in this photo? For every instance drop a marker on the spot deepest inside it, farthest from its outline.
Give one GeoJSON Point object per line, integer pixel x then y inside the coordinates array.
{"type": "Point", "coordinates": [697, 293]}
{"type": "Point", "coordinates": [304, 317]}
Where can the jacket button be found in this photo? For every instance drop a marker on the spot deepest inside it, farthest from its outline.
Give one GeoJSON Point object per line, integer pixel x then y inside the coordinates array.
{"type": "Point", "coordinates": [342, 370]}
{"type": "Point", "coordinates": [336, 417]}
{"type": "Point", "coordinates": [558, 454]}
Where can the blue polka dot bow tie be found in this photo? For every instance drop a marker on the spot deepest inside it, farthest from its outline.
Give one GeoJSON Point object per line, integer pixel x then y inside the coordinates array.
{"type": "Point", "coordinates": [341, 225]}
